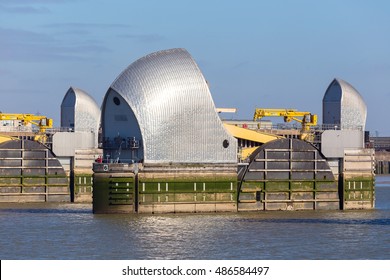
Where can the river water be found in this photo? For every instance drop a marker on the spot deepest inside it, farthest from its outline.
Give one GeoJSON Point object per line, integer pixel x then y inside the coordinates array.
{"type": "Point", "coordinates": [71, 231]}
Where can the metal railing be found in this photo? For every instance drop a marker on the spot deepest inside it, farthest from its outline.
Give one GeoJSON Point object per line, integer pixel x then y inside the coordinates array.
{"type": "Point", "coordinates": [289, 126]}
{"type": "Point", "coordinates": [35, 129]}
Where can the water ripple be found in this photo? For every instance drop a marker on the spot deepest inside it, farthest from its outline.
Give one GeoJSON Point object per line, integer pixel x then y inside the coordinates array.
{"type": "Point", "coordinates": [71, 231]}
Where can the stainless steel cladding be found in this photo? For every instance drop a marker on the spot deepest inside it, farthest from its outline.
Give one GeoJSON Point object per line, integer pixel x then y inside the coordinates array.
{"type": "Point", "coordinates": [343, 105]}
{"type": "Point", "coordinates": [80, 112]}
{"type": "Point", "coordinates": [160, 110]}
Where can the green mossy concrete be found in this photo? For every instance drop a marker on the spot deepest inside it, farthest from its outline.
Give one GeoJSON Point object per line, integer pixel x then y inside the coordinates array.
{"type": "Point", "coordinates": [265, 194]}
{"type": "Point", "coordinates": [359, 192]}
{"type": "Point", "coordinates": [10, 181]}
{"type": "Point", "coordinates": [252, 186]}
{"type": "Point", "coordinates": [302, 186]}
{"type": "Point", "coordinates": [34, 180]}
{"type": "Point", "coordinates": [162, 186]}
{"type": "Point", "coordinates": [277, 186]}
{"type": "Point", "coordinates": [110, 191]}
{"type": "Point", "coordinates": [113, 192]}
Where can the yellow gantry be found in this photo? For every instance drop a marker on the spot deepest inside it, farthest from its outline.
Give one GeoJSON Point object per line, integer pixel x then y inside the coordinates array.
{"type": "Point", "coordinates": [306, 119]}
{"type": "Point", "coordinates": [40, 121]}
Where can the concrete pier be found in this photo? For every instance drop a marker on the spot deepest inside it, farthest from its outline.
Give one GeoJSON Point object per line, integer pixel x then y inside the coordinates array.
{"type": "Point", "coordinates": [357, 180]}
{"type": "Point", "coordinates": [133, 188]}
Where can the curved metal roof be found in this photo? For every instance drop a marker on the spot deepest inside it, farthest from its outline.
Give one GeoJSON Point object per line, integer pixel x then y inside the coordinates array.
{"type": "Point", "coordinates": [81, 110]}
{"type": "Point", "coordinates": [171, 105]}
{"type": "Point", "coordinates": [342, 104]}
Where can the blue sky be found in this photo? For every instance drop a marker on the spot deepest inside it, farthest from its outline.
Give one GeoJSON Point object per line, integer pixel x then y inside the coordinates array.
{"type": "Point", "coordinates": [269, 54]}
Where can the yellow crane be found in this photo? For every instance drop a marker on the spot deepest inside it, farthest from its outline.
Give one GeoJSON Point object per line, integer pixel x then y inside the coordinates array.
{"type": "Point", "coordinates": [42, 122]}
{"type": "Point", "coordinates": [306, 119]}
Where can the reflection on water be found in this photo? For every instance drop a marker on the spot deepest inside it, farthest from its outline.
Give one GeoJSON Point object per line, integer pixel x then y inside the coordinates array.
{"type": "Point", "coordinates": [71, 231]}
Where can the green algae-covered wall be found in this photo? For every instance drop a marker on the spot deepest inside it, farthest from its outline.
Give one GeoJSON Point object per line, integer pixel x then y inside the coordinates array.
{"type": "Point", "coordinates": [357, 181]}
{"type": "Point", "coordinates": [358, 193]}
{"type": "Point", "coordinates": [114, 193]}
{"type": "Point", "coordinates": [186, 192]}
{"type": "Point", "coordinates": [161, 190]}
{"type": "Point", "coordinates": [29, 172]}
{"type": "Point", "coordinates": [82, 190]}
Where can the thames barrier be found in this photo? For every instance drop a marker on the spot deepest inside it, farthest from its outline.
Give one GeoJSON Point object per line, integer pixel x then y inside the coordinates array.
{"type": "Point", "coordinates": [158, 144]}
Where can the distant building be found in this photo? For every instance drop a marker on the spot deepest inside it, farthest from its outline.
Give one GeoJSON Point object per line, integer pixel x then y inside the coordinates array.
{"type": "Point", "coordinates": [381, 143]}
{"type": "Point", "coordinates": [343, 106]}
{"type": "Point", "coordinates": [80, 112]}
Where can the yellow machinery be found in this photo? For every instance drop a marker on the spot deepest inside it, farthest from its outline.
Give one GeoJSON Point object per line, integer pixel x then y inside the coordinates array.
{"type": "Point", "coordinates": [251, 135]}
{"type": "Point", "coordinates": [42, 122]}
{"type": "Point", "coordinates": [5, 138]}
{"type": "Point", "coordinates": [246, 134]}
{"type": "Point", "coordinates": [306, 119]}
